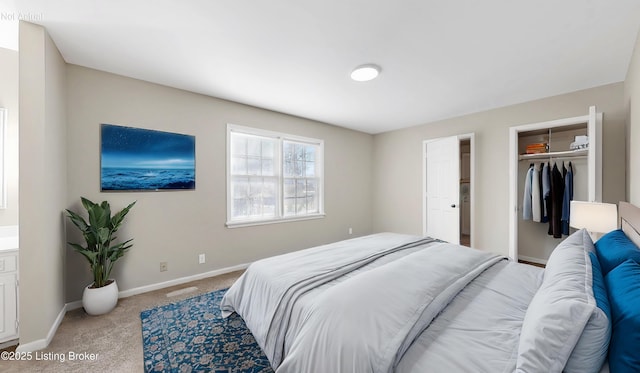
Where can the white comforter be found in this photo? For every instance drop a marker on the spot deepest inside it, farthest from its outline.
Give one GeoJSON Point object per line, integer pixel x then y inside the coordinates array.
{"type": "Point", "coordinates": [479, 330]}
{"type": "Point", "coordinates": [364, 323]}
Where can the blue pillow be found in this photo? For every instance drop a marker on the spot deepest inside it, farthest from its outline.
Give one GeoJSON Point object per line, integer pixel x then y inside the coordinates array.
{"type": "Point", "coordinates": [599, 290]}
{"type": "Point", "coordinates": [614, 248]}
{"type": "Point", "coordinates": [623, 285]}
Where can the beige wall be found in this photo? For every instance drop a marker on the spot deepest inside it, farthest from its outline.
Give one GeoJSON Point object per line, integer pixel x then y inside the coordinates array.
{"type": "Point", "coordinates": [397, 192]}
{"type": "Point", "coordinates": [43, 180]}
{"type": "Point", "coordinates": [9, 101]}
{"type": "Point", "coordinates": [632, 107]}
{"type": "Point", "coordinates": [177, 226]}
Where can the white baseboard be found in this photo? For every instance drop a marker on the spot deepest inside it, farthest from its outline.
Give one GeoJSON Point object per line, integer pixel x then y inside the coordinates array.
{"type": "Point", "coordinates": [43, 343]}
{"type": "Point", "coordinates": [12, 342]}
{"type": "Point", "coordinates": [178, 281]}
{"type": "Point", "coordinates": [74, 305]}
{"type": "Point", "coordinates": [532, 260]}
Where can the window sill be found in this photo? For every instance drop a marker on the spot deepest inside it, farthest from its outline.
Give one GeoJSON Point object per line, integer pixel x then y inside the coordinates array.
{"type": "Point", "coordinates": [250, 223]}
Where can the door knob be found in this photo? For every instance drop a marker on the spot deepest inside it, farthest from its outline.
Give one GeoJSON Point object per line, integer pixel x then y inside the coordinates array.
{"type": "Point", "coordinates": [453, 206]}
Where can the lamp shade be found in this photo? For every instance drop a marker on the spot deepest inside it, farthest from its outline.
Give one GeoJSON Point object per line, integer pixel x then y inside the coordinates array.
{"type": "Point", "coordinates": [595, 217]}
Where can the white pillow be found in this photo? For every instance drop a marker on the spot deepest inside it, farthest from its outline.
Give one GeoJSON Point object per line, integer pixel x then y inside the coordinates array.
{"type": "Point", "coordinates": [592, 347]}
{"type": "Point", "coordinates": [558, 311]}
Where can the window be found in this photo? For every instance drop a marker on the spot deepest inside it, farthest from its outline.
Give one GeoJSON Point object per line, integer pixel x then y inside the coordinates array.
{"type": "Point", "coordinates": [272, 177]}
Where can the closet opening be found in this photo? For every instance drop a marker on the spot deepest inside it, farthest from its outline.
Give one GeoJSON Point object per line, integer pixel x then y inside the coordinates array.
{"type": "Point", "coordinates": [465, 192]}
{"type": "Point", "coordinates": [547, 159]}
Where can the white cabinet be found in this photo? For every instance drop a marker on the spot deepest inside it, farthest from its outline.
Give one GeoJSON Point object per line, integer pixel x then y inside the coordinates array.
{"type": "Point", "coordinates": [8, 295]}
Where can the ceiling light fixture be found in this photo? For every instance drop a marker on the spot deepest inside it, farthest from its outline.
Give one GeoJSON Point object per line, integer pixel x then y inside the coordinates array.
{"type": "Point", "coordinates": [365, 73]}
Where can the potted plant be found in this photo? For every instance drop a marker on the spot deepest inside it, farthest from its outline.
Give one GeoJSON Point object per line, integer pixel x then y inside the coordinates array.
{"type": "Point", "coordinates": [101, 296]}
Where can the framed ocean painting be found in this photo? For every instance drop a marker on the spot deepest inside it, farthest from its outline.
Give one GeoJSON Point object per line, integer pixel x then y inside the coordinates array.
{"type": "Point", "coordinates": [136, 159]}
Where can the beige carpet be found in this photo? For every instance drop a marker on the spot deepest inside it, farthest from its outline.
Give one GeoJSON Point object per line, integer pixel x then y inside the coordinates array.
{"type": "Point", "coordinates": [115, 339]}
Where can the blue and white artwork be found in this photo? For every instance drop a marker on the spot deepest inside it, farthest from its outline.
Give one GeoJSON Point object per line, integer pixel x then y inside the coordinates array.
{"type": "Point", "coordinates": [142, 159]}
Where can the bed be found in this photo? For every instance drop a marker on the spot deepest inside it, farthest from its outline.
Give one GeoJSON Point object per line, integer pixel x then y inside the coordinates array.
{"type": "Point", "coordinates": [399, 303]}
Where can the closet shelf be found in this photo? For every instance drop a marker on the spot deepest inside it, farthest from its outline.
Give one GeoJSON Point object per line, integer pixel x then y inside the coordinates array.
{"type": "Point", "coordinates": [564, 154]}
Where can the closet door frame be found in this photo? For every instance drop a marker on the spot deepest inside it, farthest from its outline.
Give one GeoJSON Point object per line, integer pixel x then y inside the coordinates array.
{"type": "Point", "coordinates": [594, 164]}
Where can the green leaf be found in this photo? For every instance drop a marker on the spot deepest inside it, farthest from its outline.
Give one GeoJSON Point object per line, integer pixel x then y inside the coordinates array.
{"type": "Point", "coordinates": [77, 220]}
{"type": "Point", "coordinates": [88, 205]}
{"type": "Point", "coordinates": [98, 216]}
{"type": "Point", "coordinates": [119, 216]}
{"type": "Point", "coordinates": [103, 235]}
{"type": "Point", "coordinates": [90, 255]}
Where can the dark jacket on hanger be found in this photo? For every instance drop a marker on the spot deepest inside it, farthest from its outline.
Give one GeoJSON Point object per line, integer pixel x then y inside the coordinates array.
{"type": "Point", "coordinates": [546, 192]}
{"type": "Point", "coordinates": [566, 201]}
{"type": "Point", "coordinates": [556, 197]}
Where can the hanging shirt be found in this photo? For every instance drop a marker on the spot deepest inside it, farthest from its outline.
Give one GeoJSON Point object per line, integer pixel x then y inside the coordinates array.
{"type": "Point", "coordinates": [541, 198]}
{"type": "Point", "coordinates": [526, 199]}
{"type": "Point", "coordinates": [536, 211]}
{"type": "Point", "coordinates": [566, 201]}
{"type": "Point", "coordinates": [546, 191]}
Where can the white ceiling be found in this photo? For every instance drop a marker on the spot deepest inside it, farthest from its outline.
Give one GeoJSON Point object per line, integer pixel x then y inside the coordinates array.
{"type": "Point", "coordinates": [439, 58]}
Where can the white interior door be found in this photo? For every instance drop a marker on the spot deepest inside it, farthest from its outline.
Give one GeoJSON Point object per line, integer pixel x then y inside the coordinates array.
{"type": "Point", "coordinates": [442, 189]}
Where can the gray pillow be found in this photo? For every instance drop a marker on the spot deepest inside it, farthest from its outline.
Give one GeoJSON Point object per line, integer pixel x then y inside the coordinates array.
{"type": "Point", "coordinates": [559, 310]}
{"type": "Point", "coordinates": [592, 347]}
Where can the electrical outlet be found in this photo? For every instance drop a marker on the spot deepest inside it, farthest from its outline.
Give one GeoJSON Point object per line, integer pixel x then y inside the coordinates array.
{"type": "Point", "coordinates": [201, 258]}
{"type": "Point", "coordinates": [164, 266]}
{"type": "Point", "coordinates": [350, 231]}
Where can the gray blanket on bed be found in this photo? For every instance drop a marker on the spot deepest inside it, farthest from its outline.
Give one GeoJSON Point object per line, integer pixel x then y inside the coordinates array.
{"type": "Point", "coordinates": [362, 324]}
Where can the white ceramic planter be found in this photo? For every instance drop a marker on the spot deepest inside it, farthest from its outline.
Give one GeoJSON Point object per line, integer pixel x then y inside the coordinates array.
{"type": "Point", "coordinates": [102, 300]}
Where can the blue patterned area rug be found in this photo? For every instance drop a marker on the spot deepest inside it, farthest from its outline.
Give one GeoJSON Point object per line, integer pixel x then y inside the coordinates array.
{"type": "Point", "coordinates": [192, 336]}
